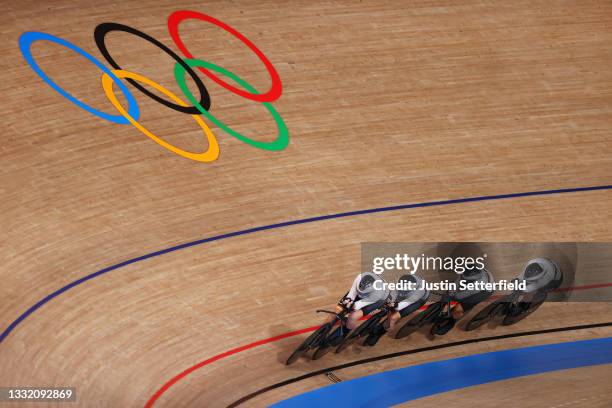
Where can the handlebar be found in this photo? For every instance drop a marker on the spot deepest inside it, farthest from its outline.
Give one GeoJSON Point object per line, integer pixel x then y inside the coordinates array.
{"type": "Point", "coordinates": [325, 311]}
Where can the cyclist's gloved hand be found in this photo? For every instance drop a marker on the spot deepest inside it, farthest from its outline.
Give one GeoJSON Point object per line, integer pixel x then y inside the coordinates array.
{"type": "Point", "coordinates": [345, 302]}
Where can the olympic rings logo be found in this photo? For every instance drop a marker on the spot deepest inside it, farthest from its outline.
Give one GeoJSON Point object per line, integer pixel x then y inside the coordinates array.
{"type": "Point", "coordinates": [199, 107]}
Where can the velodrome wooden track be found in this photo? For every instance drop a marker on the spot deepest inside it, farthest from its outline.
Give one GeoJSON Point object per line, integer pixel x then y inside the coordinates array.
{"type": "Point", "coordinates": [387, 103]}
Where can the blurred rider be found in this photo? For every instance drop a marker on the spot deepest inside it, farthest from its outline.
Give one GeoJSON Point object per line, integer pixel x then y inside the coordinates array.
{"type": "Point", "coordinates": [465, 299]}
{"type": "Point", "coordinates": [541, 275]}
{"type": "Point", "coordinates": [407, 300]}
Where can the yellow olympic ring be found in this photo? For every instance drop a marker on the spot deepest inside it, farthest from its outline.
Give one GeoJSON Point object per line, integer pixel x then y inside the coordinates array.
{"type": "Point", "coordinates": [213, 147]}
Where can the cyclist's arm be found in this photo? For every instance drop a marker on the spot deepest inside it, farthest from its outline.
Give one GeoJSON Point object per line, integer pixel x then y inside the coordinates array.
{"type": "Point", "coordinates": [353, 291]}
{"type": "Point", "coordinates": [346, 302]}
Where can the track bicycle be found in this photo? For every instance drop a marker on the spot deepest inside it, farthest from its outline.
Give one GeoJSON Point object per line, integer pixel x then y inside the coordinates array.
{"type": "Point", "coordinates": [438, 314]}
{"type": "Point", "coordinates": [436, 311]}
{"type": "Point", "coordinates": [511, 309]}
{"type": "Point", "coordinates": [519, 304]}
{"type": "Point", "coordinates": [367, 327]}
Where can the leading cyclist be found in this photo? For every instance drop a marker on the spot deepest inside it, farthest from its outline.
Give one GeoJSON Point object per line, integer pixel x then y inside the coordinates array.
{"type": "Point", "coordinates": [363, 298]}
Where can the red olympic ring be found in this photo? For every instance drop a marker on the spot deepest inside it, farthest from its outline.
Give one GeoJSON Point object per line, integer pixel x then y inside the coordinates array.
{"type": "Point", "coordinates": [275, 90]}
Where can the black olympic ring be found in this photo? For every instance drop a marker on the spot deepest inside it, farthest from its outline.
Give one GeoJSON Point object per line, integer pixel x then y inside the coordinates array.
{"type": "Point", "coordinates": [105, 28]}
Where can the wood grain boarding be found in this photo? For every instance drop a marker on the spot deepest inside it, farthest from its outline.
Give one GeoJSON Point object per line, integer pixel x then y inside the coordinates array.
{"type": "Point", "coordinates": [387, 103]}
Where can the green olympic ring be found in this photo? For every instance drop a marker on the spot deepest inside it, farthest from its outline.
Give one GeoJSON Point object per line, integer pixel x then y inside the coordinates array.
{"type": "Point", "coordinates": [282, 139]}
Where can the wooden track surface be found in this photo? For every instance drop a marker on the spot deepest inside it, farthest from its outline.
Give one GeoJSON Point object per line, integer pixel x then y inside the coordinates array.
{"type": "Point", "coordinates": [387, 103]}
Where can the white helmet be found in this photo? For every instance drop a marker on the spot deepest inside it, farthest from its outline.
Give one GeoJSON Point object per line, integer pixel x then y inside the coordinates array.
{"type": "Point", "coordinates": [541, 274]}
{"type": "Point", "coordinates": [366, 289]}
{"type": "Point", "coordinates": [413, 295]}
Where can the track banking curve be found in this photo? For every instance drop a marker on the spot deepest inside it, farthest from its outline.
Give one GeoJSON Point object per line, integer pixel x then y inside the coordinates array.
{"type": "Point", "coordinates": [12, 326]}
{"type": "Point", "coordinates": [393, 387]}
{"type": "Point", "coordinates": [171, 382]}
{"type": "Point", "coordinates": [382, 357]}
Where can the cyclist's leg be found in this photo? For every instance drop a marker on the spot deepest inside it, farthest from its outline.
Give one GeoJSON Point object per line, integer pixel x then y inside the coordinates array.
{"type": "Point", "coordinates": [463, 306]}
{"type": "Point", "coordinates": [393, 319]}
{"type": "Point", "coordinates": [352, 321]}
{"type": "Point", "coordinates": [458, 311]}
{"type": "Point", "coordinates": [379, 328]}
{"type": "Point", "coordinates": [403, 309]}
{"type": "Point", "coordinates": [362, 308]}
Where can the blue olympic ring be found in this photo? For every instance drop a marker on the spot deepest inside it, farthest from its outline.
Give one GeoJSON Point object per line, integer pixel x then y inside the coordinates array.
{"type": "Point", "coordinates": [25, 42]}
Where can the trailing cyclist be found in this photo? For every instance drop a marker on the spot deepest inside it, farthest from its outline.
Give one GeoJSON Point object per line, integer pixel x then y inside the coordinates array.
{"type": "Point", "coordinates": [541, 275]}
{"type": "Point", "coordinates": [465, 299]}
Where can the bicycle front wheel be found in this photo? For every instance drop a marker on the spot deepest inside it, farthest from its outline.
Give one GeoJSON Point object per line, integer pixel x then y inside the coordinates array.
{"type": "Point", "coordinates": [311, 341]}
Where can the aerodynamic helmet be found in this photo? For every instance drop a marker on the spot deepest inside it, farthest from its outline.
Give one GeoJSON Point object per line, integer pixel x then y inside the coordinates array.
{"type": "Point", "coordinates": [541, 274]}
{"type": "Point", "coordinates": [476, 275]}
{"type": "Point", "coordinates": [405, 292]}
{"type": "Point", "coordinates": [366, 284]}
{"type": "Point", "coordinates": [366, 289]}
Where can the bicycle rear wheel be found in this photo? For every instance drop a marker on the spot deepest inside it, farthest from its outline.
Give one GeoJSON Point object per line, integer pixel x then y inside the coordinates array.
{"type": "Point", "coordinates": [535, 303]}
{"type": "Point", "coordinates": [419, 320]}
{"type": "Point", "coordinates": [311, 341]}
{"type": "Point", "coordinates": [485, 315]}
{"type": "Point", "coordinates": [322, 350]}
{"type": "Point", "coordinates": [361, 331]}
{"type": "Point", "coordinates": [442, 326]}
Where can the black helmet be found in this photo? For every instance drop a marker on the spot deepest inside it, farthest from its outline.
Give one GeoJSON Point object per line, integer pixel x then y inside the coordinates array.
{"type": "Point", "coordinates": [533, 270]}
{"type": "Point", "coordinates": [472, 274]}
{"type": "Point", "coordinates": [408, 278]}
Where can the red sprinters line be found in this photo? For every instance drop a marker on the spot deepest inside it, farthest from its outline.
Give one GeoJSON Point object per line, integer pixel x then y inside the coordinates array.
{"type": "Point", "coordinates": [595, 286]}
{"type": "Point", "coordinates": [225, 354]}
{"type": "Point", "coordinates": [258, 343]}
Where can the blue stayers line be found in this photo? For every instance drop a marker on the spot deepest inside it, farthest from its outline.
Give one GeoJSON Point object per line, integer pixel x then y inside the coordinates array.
{"type": "Point", "coordinates": [84, 279]}
{"type": "Point", "coordinates": [394, 387]}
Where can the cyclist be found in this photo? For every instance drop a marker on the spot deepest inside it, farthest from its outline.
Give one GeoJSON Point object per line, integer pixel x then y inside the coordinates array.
{"type": "Point", "coordinates": [466, 299]}
{"type": "Point", "coordinates": [363, 298]}
{"type": "Point", "coordinates": [406, 301]}
{"type": "Point", "coordinates": [541, 275]}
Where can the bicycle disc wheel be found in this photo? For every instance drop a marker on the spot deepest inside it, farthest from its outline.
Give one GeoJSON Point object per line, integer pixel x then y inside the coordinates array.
{"type": "Point", "coordinates": [418, 321]}
{"type": "Point", "coordinates": [533, 306]}
{"type": "Point", "coordinates": [363, 330]}
{"type": "Point", "coordinates": [442, 326]}
{"type": "Point", "coordinates": [322, 350]}
{"type": "Point", "coordinates": [299, 352]}
{"type": "Point", "coordinates": [307, 344]}
{"type": "Point", "coordinates": [484, 316]}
